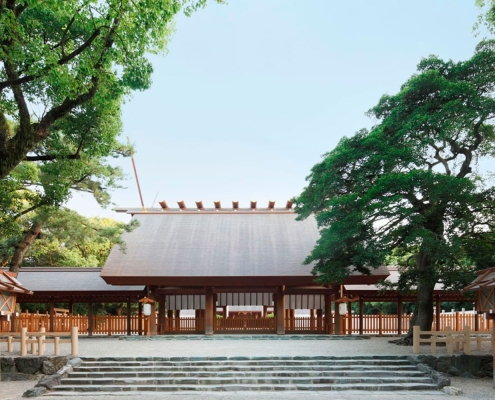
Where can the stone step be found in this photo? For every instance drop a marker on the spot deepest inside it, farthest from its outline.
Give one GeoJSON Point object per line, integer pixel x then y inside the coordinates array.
{"type": "Point", "coordinates": [271, 372]}
{"type": "Point", "coordinates": [260, 368]}
{"type": "Point", "coordinates": [241, 380]}
{"type": "Point", "coordinates": [135, 375]}
{"type": "Point", "coordinates": [252, 370]}
{"type": "Point", "coordinates": [244, 358]}
{"type": "Point", "coordinates": [99, 390]}
{"type": "Point", "coordinates": [243, 363]}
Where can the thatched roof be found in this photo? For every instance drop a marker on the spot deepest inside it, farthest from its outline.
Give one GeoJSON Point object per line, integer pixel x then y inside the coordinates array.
{"type": "Point", "coordinates": [484, 280]}
{"type": "Point", "coordinates": [9, 283]}
{"type": "Point", "coordinates": [67, 283]}
{"type": "Point", "coordinates": [200, 248]}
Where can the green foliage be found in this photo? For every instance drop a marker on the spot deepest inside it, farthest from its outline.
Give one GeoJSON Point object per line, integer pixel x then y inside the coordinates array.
{"type": "Point", "coordinates": [411, 184]}
{"type": "Point", "coordinates": [72, 240]}
{"type": "Point", "coordinates": [58, 56]}
{"type": "Point", "coordinates": [68, 239]}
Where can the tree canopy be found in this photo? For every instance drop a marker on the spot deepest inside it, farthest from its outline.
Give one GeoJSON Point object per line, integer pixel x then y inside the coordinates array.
{"type": "Point", "coordinates": [411, 185]}
{"type": "Point", "coordinates": [69, 239]}
{"type": "Point", "coordinates": [57, 56]}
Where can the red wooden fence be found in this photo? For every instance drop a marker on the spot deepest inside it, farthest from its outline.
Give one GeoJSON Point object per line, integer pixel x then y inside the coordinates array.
{"type": "Point", "coordinates": [378, 324]}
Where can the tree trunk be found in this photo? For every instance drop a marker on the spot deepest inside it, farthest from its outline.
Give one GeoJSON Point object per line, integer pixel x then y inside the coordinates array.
{"type": "Point", "coordinates": [423, 310]}
{"type": "Point", "coordinates": [23, 246]}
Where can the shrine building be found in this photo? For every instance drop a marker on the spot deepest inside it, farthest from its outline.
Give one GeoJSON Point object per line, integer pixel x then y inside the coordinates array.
{"type": "Point", "coordinates": [210, 259]}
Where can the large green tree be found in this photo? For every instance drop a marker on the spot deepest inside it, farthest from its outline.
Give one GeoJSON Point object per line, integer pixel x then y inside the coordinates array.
{"type": "Point", "coordinates": [73, 158]}
{"type": "Point", "coordinates": [412, 184]}
{"type": "Point", "coordinates": [68, 239]}
{"type": "Point", "coordinates": [56, 56]}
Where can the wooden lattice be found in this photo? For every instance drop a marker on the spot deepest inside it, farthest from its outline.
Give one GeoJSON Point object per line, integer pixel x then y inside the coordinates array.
{"type": "Point", "coordinates": [486, 299]}
{"type": "Point", "coordinates": [7, 302]}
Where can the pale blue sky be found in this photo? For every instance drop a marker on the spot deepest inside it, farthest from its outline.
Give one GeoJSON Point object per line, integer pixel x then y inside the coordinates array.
{"type": "Point", "coordinates": [252, 93]}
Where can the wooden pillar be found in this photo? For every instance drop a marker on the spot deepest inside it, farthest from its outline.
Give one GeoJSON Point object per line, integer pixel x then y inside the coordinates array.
{"type": "Point", "coordinates": [476, 321]}
{"type": "Point", "coordinates": [328, 314]}
{"type": "Point", "coordinates": [170, 320]}
{"type": "Point", "coordinates": [399, 315]}
{"type": "Point", "coordinates": [438, 310]}
{"type": "Point", "coordinates": [361, 318]}
{"type": "Point", "coordinates": [338, 319]}
{"type": "Point", "coordinates": [71, 307]}
{"type": "Point", "coordinates": [52, 314]}
{"type": "Point", "coordinates": [177, 320]}
{"type": "Point", "coordinates": [280, 309]}
{"type": "Point", "coordinates": [209, 310]}
{"type": "Point", "coordinates": [140, 318]}
{"type": "Point", "coordinates": [287, 326]}
{"type": "Point", "coordinates": [319, 320]}
{"type": "Point", "coordinates": [13, 322]}
{"type": "Point", "coordinates": [153, 319]}
{"type": "Point", "coordinates": [129, 316]}
{"type": "Point", "coordinates": [90, 317]}
{"type": "Point", "coordinates": [349, 318]}
{"type": "Point", "coordinates": [161, 314]}
{"type": "Point", "coordinates": [312, 318]}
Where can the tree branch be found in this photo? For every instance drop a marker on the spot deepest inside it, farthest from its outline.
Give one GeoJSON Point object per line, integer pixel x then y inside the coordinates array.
{"type": "Point", "coordinates": [52, 157]}
{"type": "Point", "coordinates": [80, 49]}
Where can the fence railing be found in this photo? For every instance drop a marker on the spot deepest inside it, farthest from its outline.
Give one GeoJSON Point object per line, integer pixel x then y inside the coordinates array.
{"type": "Point", "coordinates": [379, 324]}
{"type": "Point", "coordinates": [184, 324]}
{"type": "Point", "coordinates": [304, 324]}
{"type": "Point", "coordinates": [39, 339]}
{"type": "Point", "coordinates": [450, 337]}
{"type": "Point", "coordinates": [245, 324]}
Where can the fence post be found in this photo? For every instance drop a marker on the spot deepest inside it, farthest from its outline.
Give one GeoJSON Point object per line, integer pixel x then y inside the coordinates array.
{"type": "Point", "coordinates": [433, 339]}
{"type": "Point", "coordinates": [10, 344]}
{"type": "Point", "coordinates": [448, 334]}
{"type": "Point", "coordinates": [74, 340]}
{"type": "Point", "coordinates": [380, 322]}
{"type": "Point", "coordinates": [23, 341]}
{"type": "Point", "coordinates": [109, 325]}
{"type": "Point", "coordinates": [416, 339]}
{"type": "Point", "coordinates": [467, 339]}
{"type": "Point", "coordinates": [33, 344]}
{"type": "Point", "coordinates": [56, 345]}
{"type": "Point", "coordinates": [41, 342]}
{"type": "Point", "coordinates": [457, 321]}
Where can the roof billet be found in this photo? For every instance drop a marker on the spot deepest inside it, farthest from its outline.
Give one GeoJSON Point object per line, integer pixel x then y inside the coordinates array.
{"type": "Point", "coordinates": [217, 208]}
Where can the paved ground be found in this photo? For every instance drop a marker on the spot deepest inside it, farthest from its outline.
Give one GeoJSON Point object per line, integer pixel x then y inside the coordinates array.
{"type": "Point", "coordinates": [474, 389]}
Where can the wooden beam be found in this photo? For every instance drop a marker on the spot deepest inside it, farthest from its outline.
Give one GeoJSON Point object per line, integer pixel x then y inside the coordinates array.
{"type": "Point", "coordinates": [438, 311]}
{"type": "Point", "coordinates": [128, 317]}
{"type": "Point", "coordinates": [152, 318]}
{"type": "Point", "coordinates": [280, 310]}
{"type": "Point", "coordinates": [90, 317]}
{"type": "Point", "coordinates": [140, 318]}
{"type": "Point", "coordinates": [349, 318]}
{"type": "Point", "coordinates": [328, 314]}
{"type": "Point", "coordinates": [361, 319]}
{"type": "Point", "coordinates": [52, 314]}
{"type": "Point", "coordinates": [161, 314]}
{"type": "Point", "coordinates": [209, 311]}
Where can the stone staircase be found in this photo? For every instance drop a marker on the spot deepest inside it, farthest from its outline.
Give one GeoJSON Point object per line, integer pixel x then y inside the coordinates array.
{"type": "Point", "coordinates": [160, 374]}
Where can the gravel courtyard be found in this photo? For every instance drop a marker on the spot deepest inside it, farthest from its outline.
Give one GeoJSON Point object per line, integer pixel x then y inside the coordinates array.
{"type": "Point", "coordinates": [475, 389]}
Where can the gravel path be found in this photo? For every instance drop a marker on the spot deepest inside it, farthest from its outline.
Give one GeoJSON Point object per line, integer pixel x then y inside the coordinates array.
{"type": "Point", "coordinates": [473, 389]}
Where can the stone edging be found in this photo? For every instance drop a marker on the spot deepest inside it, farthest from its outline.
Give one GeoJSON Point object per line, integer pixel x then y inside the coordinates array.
{"type": "Point", "coordinates": [50, 381]}
{"type": "Point", "coordinates": [246, 337]}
